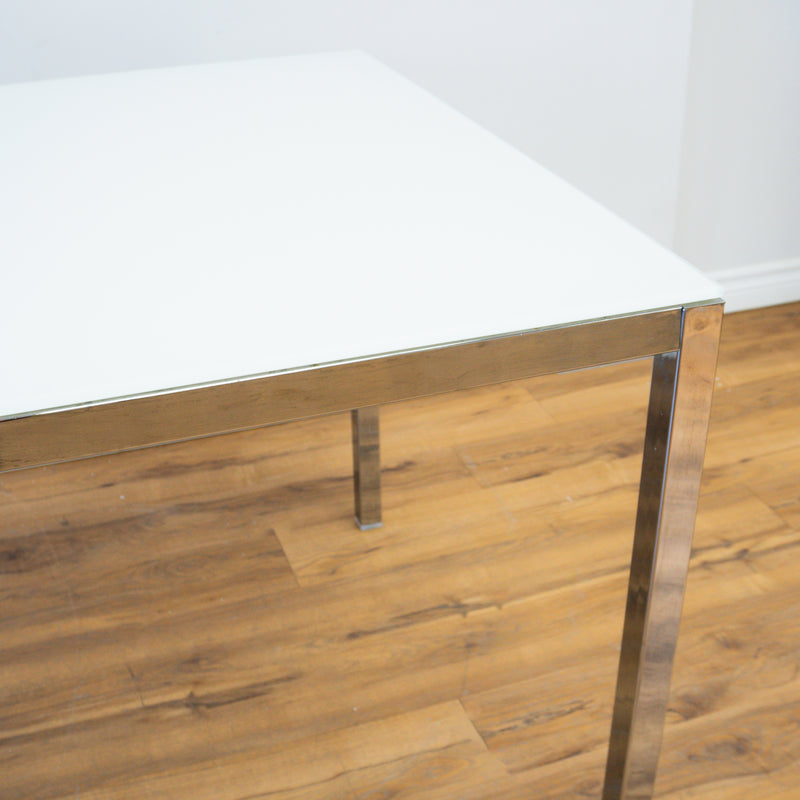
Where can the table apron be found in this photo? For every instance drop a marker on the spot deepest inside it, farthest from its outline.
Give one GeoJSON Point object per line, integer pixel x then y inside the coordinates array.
{"type": "Point", "coordinates": [147, 420]}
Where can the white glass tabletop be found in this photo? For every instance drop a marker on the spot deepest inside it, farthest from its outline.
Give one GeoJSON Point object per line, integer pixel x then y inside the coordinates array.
{"type": "Point", "coordinates": [176, 227]}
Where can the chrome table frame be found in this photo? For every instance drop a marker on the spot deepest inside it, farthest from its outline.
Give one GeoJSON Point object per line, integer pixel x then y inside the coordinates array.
{"type": "Point", "coordinates": [683, 343]}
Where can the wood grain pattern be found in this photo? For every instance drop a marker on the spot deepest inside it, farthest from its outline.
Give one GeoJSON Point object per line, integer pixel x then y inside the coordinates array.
{"type": "Point", "coordinates": [203, 620]}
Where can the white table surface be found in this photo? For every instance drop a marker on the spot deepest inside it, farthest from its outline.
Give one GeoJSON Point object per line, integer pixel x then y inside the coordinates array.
{"type": "Point", "coordinates": [175, 227]}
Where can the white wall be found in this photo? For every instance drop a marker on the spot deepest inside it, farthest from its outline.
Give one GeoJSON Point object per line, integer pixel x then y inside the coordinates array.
{"type": "Point", "coordinates": [593, 90]}
{"type": "Point", "coordinates": [738, 211]}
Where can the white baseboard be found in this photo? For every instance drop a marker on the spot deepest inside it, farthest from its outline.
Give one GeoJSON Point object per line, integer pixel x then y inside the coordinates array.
{"type": "Point", "coordinates": [757, 285]}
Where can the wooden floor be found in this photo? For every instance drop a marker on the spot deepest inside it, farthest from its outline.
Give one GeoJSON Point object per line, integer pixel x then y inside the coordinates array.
{"type": "Point", "coordinates": [204, 621]}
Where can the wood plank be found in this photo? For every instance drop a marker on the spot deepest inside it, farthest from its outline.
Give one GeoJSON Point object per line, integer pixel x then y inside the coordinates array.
{"type": "Point", "coordinates": [387, 751]}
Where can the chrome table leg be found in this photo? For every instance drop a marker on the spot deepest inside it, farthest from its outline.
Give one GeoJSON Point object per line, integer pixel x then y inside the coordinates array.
{"type": "Point", "coordinates": [677, 424]}
{"type": "Point", "coordinates": [367, 467]}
